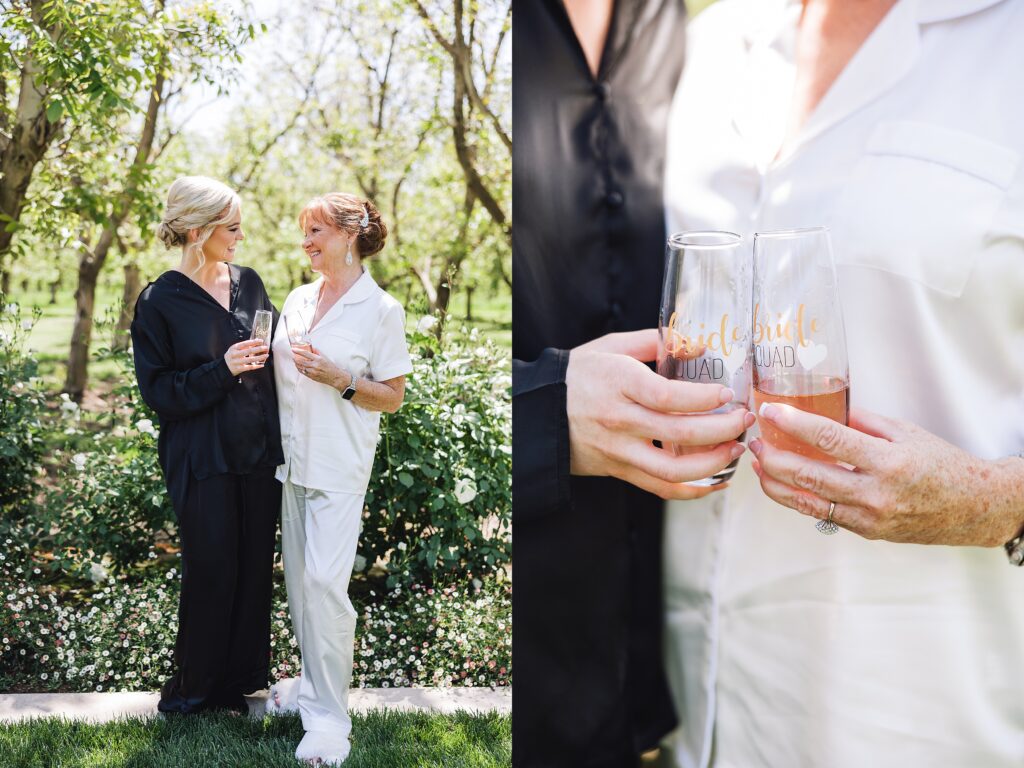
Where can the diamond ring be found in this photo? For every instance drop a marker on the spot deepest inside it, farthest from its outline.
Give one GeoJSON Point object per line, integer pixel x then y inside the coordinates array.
{"type": "Point", "coordinates": [827, 526]}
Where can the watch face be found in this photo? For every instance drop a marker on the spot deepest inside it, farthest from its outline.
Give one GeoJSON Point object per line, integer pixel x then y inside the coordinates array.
{"type": "Point", "coordinates": [1015, 551]}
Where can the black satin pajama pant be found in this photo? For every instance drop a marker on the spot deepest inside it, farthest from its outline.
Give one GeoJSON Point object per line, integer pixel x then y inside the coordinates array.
{"type": "Point", "coordinates": [227, 525]}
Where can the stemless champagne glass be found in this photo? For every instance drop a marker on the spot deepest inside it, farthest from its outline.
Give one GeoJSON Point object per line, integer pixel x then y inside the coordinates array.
{"type": "Point", "coordinates": [298, 335]}
{"type": "Point", "coordinates": [798, 338]}
{"type": "Point", "coordinates": [262, 322]}
{"type": "Point", "coordinates": [704, 323]}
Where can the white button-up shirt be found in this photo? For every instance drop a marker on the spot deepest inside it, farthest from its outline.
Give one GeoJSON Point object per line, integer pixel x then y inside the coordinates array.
{"type": "Point", "coordinates": [785, 647]}
{"type": "Point", "coordinates": [329, 442]}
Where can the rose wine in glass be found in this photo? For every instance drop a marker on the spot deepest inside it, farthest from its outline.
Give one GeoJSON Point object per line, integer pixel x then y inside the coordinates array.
{"type": "Point", "coordinates": [798, 337]}
{"type": "Point", "coordinates": [298, 336]}
{"type": "Point", "coordinates": [827, 396]}
{"type": "Point", "coordinates": [704, 324]}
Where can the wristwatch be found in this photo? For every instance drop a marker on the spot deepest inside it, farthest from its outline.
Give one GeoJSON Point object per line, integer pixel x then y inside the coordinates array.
{"type": "Point", "coordinates": [350, 391]}
{"type": "Point", "coordinates": [1015, 550]}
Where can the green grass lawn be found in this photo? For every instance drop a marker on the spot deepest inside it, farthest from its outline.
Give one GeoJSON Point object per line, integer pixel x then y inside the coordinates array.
{"type": "Point", "coordinates": [380, 739]}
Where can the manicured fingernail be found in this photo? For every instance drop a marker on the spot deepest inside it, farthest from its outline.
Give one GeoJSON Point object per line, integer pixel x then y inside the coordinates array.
{"type": "Point", "coordinates": [726, 396]}
{"type": "Point", "coordinates": [749, 419]}
{"type": "Point", "coordinates": [755, 447]}
{"type": "Point", "coordinates": [768, 411]}
{"type": "Point", "coordinates": [756, 466]}
{"type": "Point", "coordinates": [737, 450]}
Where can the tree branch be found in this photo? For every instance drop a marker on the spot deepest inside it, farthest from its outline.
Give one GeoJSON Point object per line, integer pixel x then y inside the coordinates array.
{"type": "Point", "coordinates": [446, 44]}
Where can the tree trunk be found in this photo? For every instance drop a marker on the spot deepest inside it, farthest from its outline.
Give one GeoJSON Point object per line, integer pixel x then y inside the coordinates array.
{"type": "Point", "coordinates": [469, 304]}
{"type": "Point", "coordinates": [453, 259]}
{"type": "Point", "coordinates": [54, 287]}
{"type": "Point", "coordinates": [132, 289]}
{"type": "Point", "coordinates": [465, 98]}
{"type": "Point", "coordinates": [81, 335]}
{"type": "Point", "coordinates": [30, 137]}
{"type": "Point", "coordinates": [91, 262]}
{"type": "Point", "coordinates": [474, 181]}
{"type": "Point", "coordinates": [444, 295]}
{"type": "Point", "coordinates": [5, 282]}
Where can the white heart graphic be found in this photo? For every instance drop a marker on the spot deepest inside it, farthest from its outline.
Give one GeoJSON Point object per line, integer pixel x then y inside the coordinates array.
{"type": "Point", "coordinates": [811, 355]}
{"type": "Point", "coordinates": [735, 359]}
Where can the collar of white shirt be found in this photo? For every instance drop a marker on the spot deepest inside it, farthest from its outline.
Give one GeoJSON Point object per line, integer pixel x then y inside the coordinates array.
{"type": "Point", "coordinates": [765, 22]}
{"type": "Point", "coordinates": [884, 59]}
{"type": "Point", "coordinates": [361, 290]}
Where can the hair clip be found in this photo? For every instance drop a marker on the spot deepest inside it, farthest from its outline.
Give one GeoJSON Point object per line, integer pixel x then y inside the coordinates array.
{"type": "Point", "coordinates": [365, 221]}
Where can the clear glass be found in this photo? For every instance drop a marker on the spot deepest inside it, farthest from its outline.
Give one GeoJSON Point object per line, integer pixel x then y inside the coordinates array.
{"type": "Point", "coordinates": [262, 322]}
{"type": "Point", "coordinates": [295, 327]}
{"type": "Point", "coordinates": [261, 325]}
{"type": "Point", "coordinates": [797, 334]}
{"type": "Point", "coordinates": [704, 322]}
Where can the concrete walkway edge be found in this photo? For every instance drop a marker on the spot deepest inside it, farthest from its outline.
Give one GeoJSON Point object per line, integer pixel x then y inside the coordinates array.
{"type": "Point", "coordinates": [103, 707]}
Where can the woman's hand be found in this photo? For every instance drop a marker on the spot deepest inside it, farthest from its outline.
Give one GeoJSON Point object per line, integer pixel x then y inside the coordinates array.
{"type": "Point", "coordinates": [907, 485]}
{"type": "Point", "coordinates": [384, 396]}
{"type": "Point", "coordinates": [315, 366]}
{"type": "Point", "coordinates": [248, 355]}
{"type": "Point", "coordinates": [617, 407]}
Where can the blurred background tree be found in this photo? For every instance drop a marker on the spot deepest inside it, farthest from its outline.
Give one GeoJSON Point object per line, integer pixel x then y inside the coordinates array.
{"type": "Point", "coordinates": [104, 102]}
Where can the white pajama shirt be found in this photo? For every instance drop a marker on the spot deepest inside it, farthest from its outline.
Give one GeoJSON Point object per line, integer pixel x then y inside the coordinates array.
{"type": "Point", "coordinates": [787, 648]}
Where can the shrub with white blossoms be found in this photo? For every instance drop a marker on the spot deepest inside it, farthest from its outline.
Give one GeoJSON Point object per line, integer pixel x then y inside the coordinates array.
{"type": "Point", "coordinates": [21, 413]}
{"type": "Point", "coordinates": [442, 478]}
{"type": "Point", "coordinates": [110, 501]}
{"type": "Point", "coordinates": [120, 637]}
{"type": "Point", "coordinates": [438, 504]}
{"type": "Point", "coordinates": [455, 636]}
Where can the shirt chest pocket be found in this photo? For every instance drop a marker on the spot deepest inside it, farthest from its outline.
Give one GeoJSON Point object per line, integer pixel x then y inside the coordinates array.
{"type": "Point", "coordinates": [345, 349]}
{"type": "Point", "coordinates": [920, 202]}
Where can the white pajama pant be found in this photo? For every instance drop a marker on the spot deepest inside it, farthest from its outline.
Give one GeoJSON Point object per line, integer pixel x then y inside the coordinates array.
{"type": "Point", "coordinates": [320, 532]}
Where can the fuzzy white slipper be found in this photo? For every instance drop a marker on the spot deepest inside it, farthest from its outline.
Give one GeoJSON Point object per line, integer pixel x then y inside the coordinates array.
{"type": "Point", "coordinates": [284, 696]}
{"type": "Point", "coordinates": [323, 748]}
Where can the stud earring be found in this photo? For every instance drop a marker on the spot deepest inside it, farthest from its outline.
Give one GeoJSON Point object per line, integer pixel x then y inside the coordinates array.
{"type": "Point", "coordinates": [348, 256]}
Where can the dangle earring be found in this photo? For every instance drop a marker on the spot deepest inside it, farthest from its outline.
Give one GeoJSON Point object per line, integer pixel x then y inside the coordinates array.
{"type": "Point", "coordinates": [348, 256]}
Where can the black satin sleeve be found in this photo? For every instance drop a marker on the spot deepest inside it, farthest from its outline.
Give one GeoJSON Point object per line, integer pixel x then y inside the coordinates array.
{"type": "Point", "coordinates": [173, 393]}
{"type": "Point", "coordinates": [540, 440]}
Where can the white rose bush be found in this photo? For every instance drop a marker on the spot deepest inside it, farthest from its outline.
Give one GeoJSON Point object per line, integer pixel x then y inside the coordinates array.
{"type": "Point", "coordinates": [443, 473]}
{"type": "Point", "coordinates": [22, 407]}
{"type": "Point", "coordinates": [89, 579]}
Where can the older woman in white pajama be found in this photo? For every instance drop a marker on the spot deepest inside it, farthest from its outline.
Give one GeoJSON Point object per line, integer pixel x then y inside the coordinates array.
{"type": "Point", "coordinates": [332, 387]}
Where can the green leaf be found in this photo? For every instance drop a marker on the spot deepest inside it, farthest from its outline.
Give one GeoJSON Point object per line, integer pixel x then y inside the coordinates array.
{"type": "Point", "coordinates": [54, 111]}
{"type": "Point", "coordinates": [405, 479]}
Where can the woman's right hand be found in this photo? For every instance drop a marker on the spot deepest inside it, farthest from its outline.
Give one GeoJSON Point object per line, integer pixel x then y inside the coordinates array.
{"type": "Point", "coordinates": [617, 407]}
{"type": "Point", "coordinates": [248, 355]}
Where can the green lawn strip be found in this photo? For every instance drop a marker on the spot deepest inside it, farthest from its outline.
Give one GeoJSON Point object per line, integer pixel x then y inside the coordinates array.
{"type": "Point", "coordinates": [381, 739]}
{"type": "Point", "coordinates": [51, 337]}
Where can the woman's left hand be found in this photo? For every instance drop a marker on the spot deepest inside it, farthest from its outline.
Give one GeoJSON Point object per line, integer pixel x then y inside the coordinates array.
{"type": "Point", "coordinates": [315, 366]}
{"type": "Point", "coordinates": [907, 485]}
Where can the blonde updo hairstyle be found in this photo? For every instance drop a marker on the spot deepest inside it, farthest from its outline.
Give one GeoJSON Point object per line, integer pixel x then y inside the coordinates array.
{"type": "Point", "coordinates": [199, 203]}
{"type": "Point", "coordinates": [347, 213]}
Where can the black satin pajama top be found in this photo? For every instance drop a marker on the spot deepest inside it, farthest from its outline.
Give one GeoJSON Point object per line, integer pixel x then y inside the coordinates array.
{"type": "Point", "coordinates": [210, 421]}
{"type": "Point", "coordinates": [588, 257]}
